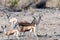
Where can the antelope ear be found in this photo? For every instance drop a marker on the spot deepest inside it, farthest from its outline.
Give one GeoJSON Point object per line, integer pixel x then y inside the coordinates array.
{"type": "Point", "coordinates": [5, 26]}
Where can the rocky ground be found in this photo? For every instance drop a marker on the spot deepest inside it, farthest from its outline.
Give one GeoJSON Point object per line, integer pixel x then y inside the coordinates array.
{"type": "Point", "coordinates": [48, 28]}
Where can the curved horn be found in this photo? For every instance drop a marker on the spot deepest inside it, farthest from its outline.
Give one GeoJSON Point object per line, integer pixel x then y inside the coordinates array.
{"type": "Point", "coordinates": [34, 20]}
{"type": "Point", "coordinates": [39, 20]}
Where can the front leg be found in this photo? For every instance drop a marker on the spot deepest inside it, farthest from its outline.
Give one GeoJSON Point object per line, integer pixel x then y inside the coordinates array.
{"type": "Point", "coordinates": [16, 34]}
{"type": "Point", "coordinates": [34, 30]}
{"type": "Point", "coordinates": [30, 30]}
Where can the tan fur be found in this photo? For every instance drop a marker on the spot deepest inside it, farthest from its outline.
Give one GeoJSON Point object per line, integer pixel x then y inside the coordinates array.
{"type": "Point", "coordinates": [25, 28]}
{"type": "Point", "coordinates": [11, 32]}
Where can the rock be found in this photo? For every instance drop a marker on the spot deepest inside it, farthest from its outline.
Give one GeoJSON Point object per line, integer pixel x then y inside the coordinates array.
{"type": "Point", "coordinates": [52, 3]}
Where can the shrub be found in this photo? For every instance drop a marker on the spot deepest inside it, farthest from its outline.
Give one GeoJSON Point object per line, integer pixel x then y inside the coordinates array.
{"type": "Point", "coordinates": [13, 3]}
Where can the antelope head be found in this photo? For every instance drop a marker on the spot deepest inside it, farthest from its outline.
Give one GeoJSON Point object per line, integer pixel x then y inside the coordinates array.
{"type": "Point", "coordinates": [36, 20]}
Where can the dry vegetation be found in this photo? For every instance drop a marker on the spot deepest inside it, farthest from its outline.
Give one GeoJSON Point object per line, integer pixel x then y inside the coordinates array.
{"type": "Point", "coordinates": [13, 3]}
